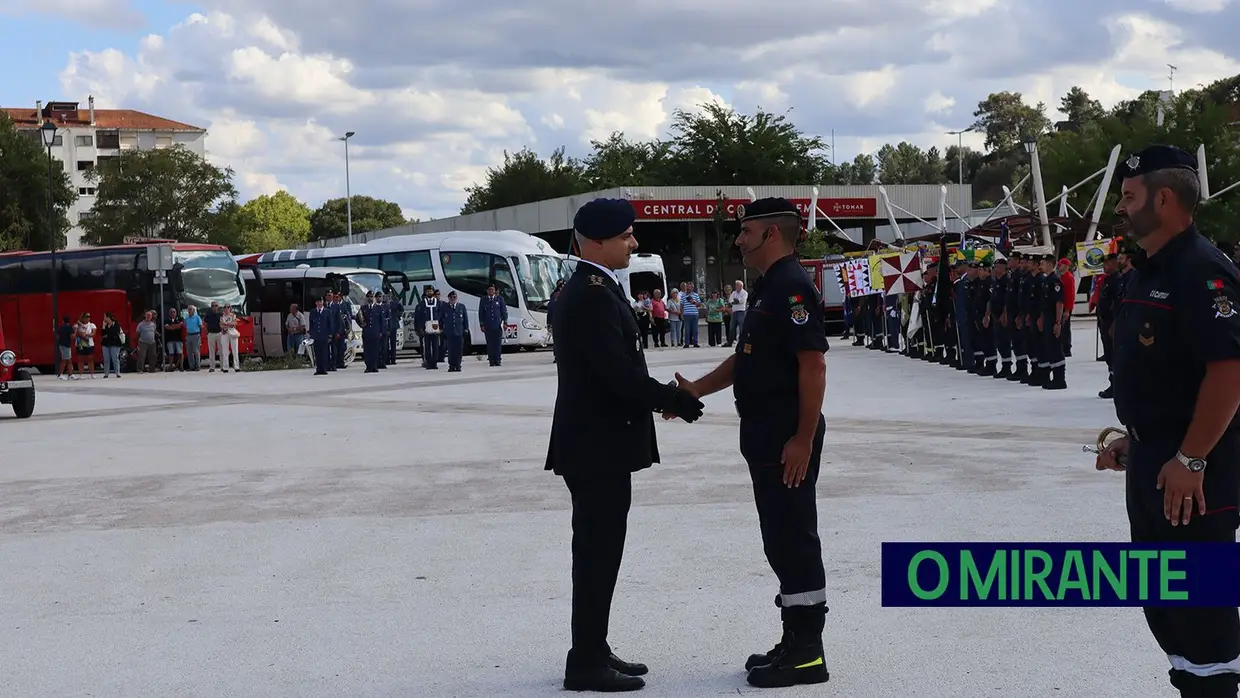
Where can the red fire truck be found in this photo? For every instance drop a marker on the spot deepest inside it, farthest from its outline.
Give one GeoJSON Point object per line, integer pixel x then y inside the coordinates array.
{"type": "Point", "coordinates": [824, 272]}
{"type": "Point", "coordinates": [112, 279]}
{"type": "Point", "coordinates": [16, 383]}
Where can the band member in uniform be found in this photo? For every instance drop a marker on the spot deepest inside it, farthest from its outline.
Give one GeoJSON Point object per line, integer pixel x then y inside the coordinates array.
{"type": "Point", "coordinates": [1177, 386]}
{"type": "Point", "coordinates": [778, 377]}
{"type": "Point", "coordinates": [1016, 317]}
{"type": "Point", "coordinates": [1033, 327]}
{"type": "Point", "coordinates": [602, 431]}
{"type": "Point", "coordinates": [1051, 325]}
{"type": "Point", "coordinates": [984, 339]}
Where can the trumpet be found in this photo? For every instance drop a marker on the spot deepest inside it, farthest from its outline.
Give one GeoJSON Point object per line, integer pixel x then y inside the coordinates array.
{"type": "Point", "coordinates": [1106, 438]}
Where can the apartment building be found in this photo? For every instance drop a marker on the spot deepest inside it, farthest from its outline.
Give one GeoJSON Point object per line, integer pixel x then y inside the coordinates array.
{"type": "Point", "coordinates": [87, 138]}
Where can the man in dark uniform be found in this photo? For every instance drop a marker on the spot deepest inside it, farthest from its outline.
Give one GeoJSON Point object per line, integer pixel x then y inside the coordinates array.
{"type": "Point", "coordinates": [385, 329]}
{"type": "Point", "coordinates": [321, 333]}
{"type": "Point", "coordinates": [602, 431]}
{"type": "Point", "coordinates": [455, 322]}
{"type": "Point", "coordinates": [1177, 386]}
{"type": "Point", "coordinates": [983, 337]}
{"type": "Point", "coordinates": [1033, 327]}
{"type": "Point", "coordinates": [1052, 323]}
{"type": "Point", "coordinates": [994, 319]}
{"type": "Point", "coordinates": [1016, 317]}
{"type": "Point", "coordinates": [962, 319]}
{"type": "Point", "coordinates": [1105, 311]}
{"type": "Point", "coordinates": [778, 377]}
{"type": "Point", "coordinates": [371, 319]}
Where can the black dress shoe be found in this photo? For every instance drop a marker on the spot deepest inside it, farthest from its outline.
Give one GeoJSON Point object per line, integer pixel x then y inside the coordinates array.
{"type": "Point", "coordinates": [603, 679]}
{"type": "Point", "coordinates": [626, 668]}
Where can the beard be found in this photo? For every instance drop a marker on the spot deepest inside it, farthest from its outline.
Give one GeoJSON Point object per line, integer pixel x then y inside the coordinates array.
{"type": "Point", "coordinates": [1142, 222]}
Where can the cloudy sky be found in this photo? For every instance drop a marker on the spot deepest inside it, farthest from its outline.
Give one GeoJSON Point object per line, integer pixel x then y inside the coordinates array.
{"type": "Point", "coordinates": [437, 90]}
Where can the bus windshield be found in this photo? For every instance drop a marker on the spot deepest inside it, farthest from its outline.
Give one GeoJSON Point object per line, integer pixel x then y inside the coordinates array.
{"type": "Point", "coordinates": [545, 271]}
{"type": "Point", "coordinates": [210, 276]}
{"type": "Point", "coordinates": [360, 283]}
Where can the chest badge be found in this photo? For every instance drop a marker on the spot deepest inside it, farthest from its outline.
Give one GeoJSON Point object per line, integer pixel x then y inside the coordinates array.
{"type": "Point", "coordinates": [1223, 308]}
{"type": "Point", "coordinates": [1145, 341]}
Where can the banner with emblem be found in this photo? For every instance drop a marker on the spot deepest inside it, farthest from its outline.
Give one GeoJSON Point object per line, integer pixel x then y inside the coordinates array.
{"type": "Point", "coordinates": [857, 278]}
{"type": "Point", "coordinates": [973, 254]}
{"type": "Point", "coordinates": [1089, 255]}
{"type": "Point", "coordinates": [900, 272]}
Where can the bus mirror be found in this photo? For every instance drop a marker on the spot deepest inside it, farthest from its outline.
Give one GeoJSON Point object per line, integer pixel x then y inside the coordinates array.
{"type": "Point", "coordinates": [174, 278]}
{"type": "Point", "coordinates": [394, 276]}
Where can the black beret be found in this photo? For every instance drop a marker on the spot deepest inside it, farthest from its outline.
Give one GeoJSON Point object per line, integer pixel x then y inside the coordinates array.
{"type": "Point", "coordinates": [1111, 257]}
{"type": "Point", "coordinates": [1048, 257]}
{"type": "Point", "coordinates": [602, 219]}
{"type": "Point", "coordinates": [986, 265]}
{"type": "Point", "coordinates": [1014, 255]}
{"type": "Point", "coordinates": [961, 263]}
{"type": "Point", "coordinates": [767, 208]}
{"type": "Point", "coordinates": [1001, 260]}
{"type": "Point", "coordinates": [1157, 157]}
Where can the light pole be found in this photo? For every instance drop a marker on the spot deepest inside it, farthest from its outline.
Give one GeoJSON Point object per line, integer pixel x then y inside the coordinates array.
{"type": "Point", "coordinates": [348, 192]}
{"type": "Point", "coordinates": [48, 132]}
{"type": "Point", "coordinates": [960, 171]}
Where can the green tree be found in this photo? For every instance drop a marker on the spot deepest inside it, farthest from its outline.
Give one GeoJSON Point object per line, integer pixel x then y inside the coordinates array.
{"type": "Point", "coordinates": [524, 177]}
{"type": "Point", "coordinates": [972, 161]}
{"type": "Point", "coordinates": [905, 163]}
{"type": "Point", "coordinates": [24, 222]}
{"type": "Point", "coordinates": [719, 146]}
{"type": "Point", "coordinates": [1007, 120]}
{"type": "Point", "coordinates": [169, 193]}
{"type": "Point", "coordinates": [862, 169]}
{"type": "Point", "coordinates": [331, 220]}
{"type": "Point", "coordinates": [619, 162]}
{"type": "Point", "coordinates": [274, 222]}
{"type": "Point", "coordinates": [1080, 108]}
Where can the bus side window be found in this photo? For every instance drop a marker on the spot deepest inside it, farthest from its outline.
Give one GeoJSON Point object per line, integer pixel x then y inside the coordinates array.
{"type": "Point", "coordinates": [501, 274]}
{"type": "Point", "coordinates": [315, 288]}
{"type": "Point", "coordinates": [36, 275]}
{"type": "Point", "coordinates": [416, 265]}
{"type": "Point", "coordinates": [10, 272]}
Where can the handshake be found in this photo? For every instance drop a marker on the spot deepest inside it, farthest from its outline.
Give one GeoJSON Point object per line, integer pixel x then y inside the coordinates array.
{"type": "Point", "coordinates": [684, 402]}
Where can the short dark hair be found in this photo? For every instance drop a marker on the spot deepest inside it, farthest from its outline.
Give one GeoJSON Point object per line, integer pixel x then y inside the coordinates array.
{"type": "Point", "coordinates": [789, 228]}
{"type": "Point", "coordinates": [1183, 184]}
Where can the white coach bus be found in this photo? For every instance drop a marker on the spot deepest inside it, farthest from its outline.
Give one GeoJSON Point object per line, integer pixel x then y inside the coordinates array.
{"type": "Point", "coordinates": [523, 268]}
{"type": "Point", "coordinates": [281, 288]}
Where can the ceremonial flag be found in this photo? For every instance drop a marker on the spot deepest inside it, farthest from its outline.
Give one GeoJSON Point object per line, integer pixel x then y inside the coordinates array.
{"type": "Point", "coordinates": [943, 288]}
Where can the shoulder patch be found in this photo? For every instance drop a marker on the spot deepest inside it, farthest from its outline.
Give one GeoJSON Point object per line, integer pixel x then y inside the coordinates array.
{"type": "Point", "coordinates": [1223, 307]}
{"type": "Point", "coordinates": [596, 280]}
{"type": "Point", "coordinates": [800, 315]}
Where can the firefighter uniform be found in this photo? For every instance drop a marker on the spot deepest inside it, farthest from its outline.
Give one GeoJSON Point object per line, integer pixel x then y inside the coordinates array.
{"type": "Point", "coordinates": [1053, 361]}
{"type": "Point", "coordinates": [1016, 317]}
{"type": "Point", "coordinates": [1179, 314]}
{"type": "Point", "coordinates": [1106, 309]}
{"type": "Point", "coordinates": [784, 318]}
{"type": "Point", "coordinates": [996, 323]}
{"type": "Point", "coordinates": [1034, 286]}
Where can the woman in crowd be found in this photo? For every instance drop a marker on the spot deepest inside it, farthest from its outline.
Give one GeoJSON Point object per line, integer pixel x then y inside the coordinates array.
{"type": "Point", "coordinates": [112, 340]}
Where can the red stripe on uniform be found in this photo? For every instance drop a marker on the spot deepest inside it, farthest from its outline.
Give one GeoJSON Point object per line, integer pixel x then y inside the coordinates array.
{"type": "Point", "coordinates": [1152, 304]}
{"type": "Point", "coordinates": [1219, 511]}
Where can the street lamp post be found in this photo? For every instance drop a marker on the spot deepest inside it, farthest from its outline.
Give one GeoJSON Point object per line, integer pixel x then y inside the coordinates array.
{"type": "Point", "coordinates": [348, 192]}
{"type": "Point", "coordinates": [960, 171]}
{"type": "Point", "coordinates": [48, 132]}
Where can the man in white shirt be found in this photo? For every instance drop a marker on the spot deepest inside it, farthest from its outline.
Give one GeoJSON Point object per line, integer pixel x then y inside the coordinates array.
{"type": "Point", "coordinates": [740, 301]}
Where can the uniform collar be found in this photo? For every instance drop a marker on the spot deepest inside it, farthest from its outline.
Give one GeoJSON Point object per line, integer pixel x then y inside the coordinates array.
{"type": "Point", "coordinates": [1172, 250]}
{"type": "Point", "coordinates": [602, 268]}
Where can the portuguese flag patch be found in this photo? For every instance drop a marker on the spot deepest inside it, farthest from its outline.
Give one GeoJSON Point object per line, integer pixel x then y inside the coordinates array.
{"type": "Point", "coordinates": [1214, 285]}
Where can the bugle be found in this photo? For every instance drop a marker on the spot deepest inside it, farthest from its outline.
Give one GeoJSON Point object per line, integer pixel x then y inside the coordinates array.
{"type": "Point", "coordinates": [1106, 438]}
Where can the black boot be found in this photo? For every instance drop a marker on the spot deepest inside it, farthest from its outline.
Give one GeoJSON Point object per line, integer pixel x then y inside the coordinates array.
{"type": "Point", "coordinates": [987, 369]}
{"type": "Point", "coordinates": [859, 341]}
{"type": "Point", "coordinates": [1037, 376]}
{"type": "Point", "coordinates": [1107, 394]}
{"type": "Point", "coordinates": [1021, 372]}
{"type": "Point", "coordinates": [581, 675]}
{"type": "Point", "coordinates": [800, 661]}
{"type": "Point", "coordinates": [1057, 380]}
{"type": "Point", "coordinates": [757, 660]}
{"type": "Point", "coordinates": [1005, 371]}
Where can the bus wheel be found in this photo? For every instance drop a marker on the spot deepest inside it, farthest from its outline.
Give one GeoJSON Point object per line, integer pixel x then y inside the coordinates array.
{"type": "Point", "coordinates": [23, 399]}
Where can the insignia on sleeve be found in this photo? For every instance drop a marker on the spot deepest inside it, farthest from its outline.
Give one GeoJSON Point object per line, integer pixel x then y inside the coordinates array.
{"type": "Point", "coordinates": [1223, 307]}
{"type": "Point", "coordinates": [800, 315]}
{"type": "Point", "coordinates": [596, 280]}
{"type": "Point", "coordinates": [793, 300]}
{"type": "Point", "coordinates": [1214, 285]}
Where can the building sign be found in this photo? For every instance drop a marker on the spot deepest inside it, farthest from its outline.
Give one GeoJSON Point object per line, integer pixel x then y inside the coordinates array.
{"type": "Point", "coordinates": [704, 209]}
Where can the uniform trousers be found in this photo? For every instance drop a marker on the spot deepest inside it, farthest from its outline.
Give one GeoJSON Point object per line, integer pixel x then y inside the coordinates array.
{"type": "Point", "coordinates": [1016, 335]}
{"type": "Point", "coordinates": [600, 520]}
{"type": "Point", "coordinates": [983, 343]}
{"type": "Point", "coordinates": [1002, 340]}
{"type": "Point", "coordinates": [370, 351]}
{"type": "Point", "coordinates": [320, 348]}
{"type": "Point", "coordinates": [1033, 342]}
{"type": "Point", "coordinates": [391, 347]}
{"type": "Point", "coordinates": [495, 343]}
{"type": "Point", "coordinates": [1202, 644]}
{"type": "Point", "coordinates": [381, 343]}
{"type": "Point", "coordinates": [431, 349]}
{"type": "Point", "coordinates": [1104, 329]}
{"type": "Point", "coordinates": [1052, 346]}
{"type": "Point", "coordinates": [456, 346]}
{"type": "Point", "coordinates": [788, 517]}
{"type": "Point", "coordinates": [964, 339]}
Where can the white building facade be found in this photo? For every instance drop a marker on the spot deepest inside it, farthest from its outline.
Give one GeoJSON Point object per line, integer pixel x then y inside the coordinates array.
{"type": "Point", "coordinates": [88, 138]}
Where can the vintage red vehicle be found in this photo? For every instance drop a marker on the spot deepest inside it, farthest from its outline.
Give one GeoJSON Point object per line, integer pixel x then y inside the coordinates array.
{"type": "Point", "coordinates": [825, 273]}
{"type": "Point", "coordinates": [16, 380]}
{"type": "Point", "coordinates": [114, 280]}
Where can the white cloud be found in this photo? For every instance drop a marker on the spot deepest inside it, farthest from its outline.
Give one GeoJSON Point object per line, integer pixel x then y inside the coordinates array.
{"type": "Point", "coordinates": [438, 92]}
{"type": "Point", "coordinates": [109, 14]}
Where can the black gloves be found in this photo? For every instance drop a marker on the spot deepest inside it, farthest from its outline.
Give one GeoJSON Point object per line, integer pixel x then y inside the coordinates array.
{"type": "Point", "coordinates": [685, 406]}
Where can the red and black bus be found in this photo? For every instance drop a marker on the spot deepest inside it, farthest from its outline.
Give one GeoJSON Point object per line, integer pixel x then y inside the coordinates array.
{"type": "Point", "coordinates": [112, 279]}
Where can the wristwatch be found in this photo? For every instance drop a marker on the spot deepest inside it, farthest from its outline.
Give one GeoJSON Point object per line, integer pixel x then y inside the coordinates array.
{"type": "Point", "coordinates": [1195, 465]}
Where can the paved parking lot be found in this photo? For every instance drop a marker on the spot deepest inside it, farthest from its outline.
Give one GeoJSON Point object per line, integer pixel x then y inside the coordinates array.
{"type": "Point", "coordinates": [280, 534]}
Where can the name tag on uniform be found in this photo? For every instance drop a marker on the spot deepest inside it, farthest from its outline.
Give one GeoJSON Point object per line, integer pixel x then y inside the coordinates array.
{"type": "Point", "coordinates": [748, 349]}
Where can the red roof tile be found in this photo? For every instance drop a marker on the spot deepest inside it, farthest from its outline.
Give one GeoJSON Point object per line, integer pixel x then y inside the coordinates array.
{"type": "Point", "coordinates": [123, 119]}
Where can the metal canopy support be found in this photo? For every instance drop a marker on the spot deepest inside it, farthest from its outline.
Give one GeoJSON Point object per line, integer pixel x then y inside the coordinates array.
{"type": "Point", "coordinates": [1203, 178]}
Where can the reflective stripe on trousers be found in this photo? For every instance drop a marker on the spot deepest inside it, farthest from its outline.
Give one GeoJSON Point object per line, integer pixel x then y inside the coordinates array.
{"type": "Point", "coordinates": [1182, 664]}
{"type": "Point", "coordinates": [805, 598]}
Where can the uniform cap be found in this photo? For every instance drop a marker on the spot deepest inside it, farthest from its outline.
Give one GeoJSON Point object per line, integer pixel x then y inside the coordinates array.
{"type": "Point", "coordinates": [1157, 157]}
{"type": "Point", "coordinates": [974, 265]}
{"type": "Point", "coordinates": [1111, 257]}
{"type": "Point", "coordinates": [1048, 257]}
{"type": "Point", "coordinates": [603, 219]}
{"type": "Point", "coordinates": [1014, 255]}
{"type": "Point", "coordinates": [1002, 261]}
{"type": "Point", "coordinates": [767, 208]}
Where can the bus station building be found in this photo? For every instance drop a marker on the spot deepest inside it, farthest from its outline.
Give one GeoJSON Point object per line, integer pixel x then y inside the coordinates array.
{"type": "Point", "coordinates": [693, 228]}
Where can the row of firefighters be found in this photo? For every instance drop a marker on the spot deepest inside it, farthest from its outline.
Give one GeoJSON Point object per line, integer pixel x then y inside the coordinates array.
{"type": "Point", "coordinates": [1009, 319]}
